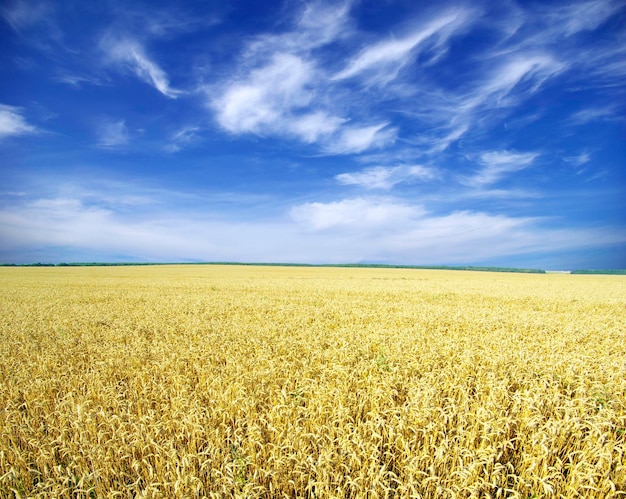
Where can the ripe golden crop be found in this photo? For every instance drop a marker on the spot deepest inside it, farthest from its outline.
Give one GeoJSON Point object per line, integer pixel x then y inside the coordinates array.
{"type": "Point", "coordinates": [211, 381]}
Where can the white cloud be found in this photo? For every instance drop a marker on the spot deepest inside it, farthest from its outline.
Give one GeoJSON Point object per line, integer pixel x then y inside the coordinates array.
{"type": "Point", "coordinates": [440, 143]}
{"type": "Point", "coordinates": [573, 18]}
{"type": "Point", "coordinates": [182, 138]}
{"type": "Point", "coordinates": [321, 23]}
{"type": "Point", "coordinates": [12, 122]}
{"type": "Point", "coordinates": [317, 24]}
{"type": "Point", "coordinates": [282, 90]}
{"type": "Point", "coordinates": [357, 139]}
{"type": "Point", "coordinates": [22, 14]}
{"type": "Point", "coordinates": [579, 159]}
{"type": "Point", "coordinates": [556, 30]}
{"type": "Point", "coordinates": [129, 53]}
{"type": "Point", "coordinates": [506, 194]}
{"type": "Point", "coordinates": [450, 115]}
{"type": "Point", "coordinates": [112, 134]}
{"type": "Point", "coordinates": [349, 230]}
{"type": "Point", "coordinates": [77, 80]}
{"type": "Point", "coordinates": [604, 67]}
{"type": "Point", "coordinates": [57, 221]}
{"type": "Point", "coordinates": [498, 164]}
{"type": "Point", "coordinates": [315, 127]}
{"type": "Point", "coordinates": [375, 229]}
{"type": "Point", "coordinates": [538, 50]}
{"type": "Point", "coordinates": [166, 20]}
{"type": "Point", "coordinates": [357, 212]}
{"type": "Point", "coordinates": [381, 177]}
{"type": "Point", "coordinates": [386, 58]}
{"type": "Point", "coordinates": [591, 114]}
{"type": "Point", "coordinates": [266, 97]}
{"type": "Point", "coordinates": [278, 99]}
{"type": "Point", "coordinates": [528, 69]}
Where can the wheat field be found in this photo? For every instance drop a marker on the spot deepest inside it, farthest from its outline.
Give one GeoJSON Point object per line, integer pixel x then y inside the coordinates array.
{"type": "Point", "coordinates": [241, 381]}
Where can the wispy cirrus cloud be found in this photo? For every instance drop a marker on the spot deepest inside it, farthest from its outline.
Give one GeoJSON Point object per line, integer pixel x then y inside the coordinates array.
{"type": "Point", "coordinates": [315, 25]}
{"type": "Point", "coordinates": [491, 194]}
{"type": "Point", "coordinates": [77, 80]}
{"type": "Point", "coordinates": [386, 177]}
{"type": "Point", "coordinates": [579, 159]}
{"type": "Point", "coordinates": [506, 82]}
{"type": "Point", "coordinates": [129, 54]}
{"type": "Point", "coordinates": [112, 134]}
{"type": "Point", "coordinates": [382, 61]}
{"type": "Point", "coordinates": [524, 73]}
{"type": "Point", "coordinates": [13, 123]}
{"type": "Point", "coordinates": [316, 127]}
{"type": "Point", "coordinates": [182, 138]}
{"type": "Point", "coordinates": [540, 48]}
{"type": "Point", "coordinates": [559, 29]}
{"type": "Point", "coordinates": [572, 18]}
{"type": "Point", "coordinates": [23, 14]}
{"type": "Point", "coordinates": [357, 139]}
{"type": "Point", "coordinates": [498, 164]}
{"type": "Point", "coordinates": [164, 21]}
{"type": "Point", "coordinates": [514, 79]}
{"type": "Point", "coordinates": [591, 114]}
{"type": "Point", "coordinates": [37, 24]}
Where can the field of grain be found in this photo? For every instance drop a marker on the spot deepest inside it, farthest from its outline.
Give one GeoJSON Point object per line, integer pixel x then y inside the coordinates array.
{"type": "Point", "coordinates": [227, 381]}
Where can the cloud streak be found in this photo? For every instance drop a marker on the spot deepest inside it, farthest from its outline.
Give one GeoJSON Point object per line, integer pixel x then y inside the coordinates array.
{"type": "Point", "coordinates": [112, 134]}
{"type": "Point", "coordinates": [23, 14]}
{"type": "Point", "coordinates": [571, 19]}
{"type": "Point", "coordinates": [498, 164]}
{"type": "Point", "coordinates": [182, 138]}
{"type": "Point", "coordinates": [386, 177]}
{"type": "Point", "coordinates": [129, 54]}
{"type": "Point", "coordinates": [12, 123]}
{"type": "Point", "coordinates": [383, 60]}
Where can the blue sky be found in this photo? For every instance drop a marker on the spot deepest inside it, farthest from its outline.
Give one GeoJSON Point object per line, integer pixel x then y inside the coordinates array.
{"type": "Point", "coordinates": [402, 132]}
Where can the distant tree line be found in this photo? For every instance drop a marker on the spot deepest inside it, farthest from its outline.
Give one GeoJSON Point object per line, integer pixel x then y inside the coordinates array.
{"type": "Point", "coordinates": [607, 272]}
{"type": "Point", "coordinates": [341, 265]}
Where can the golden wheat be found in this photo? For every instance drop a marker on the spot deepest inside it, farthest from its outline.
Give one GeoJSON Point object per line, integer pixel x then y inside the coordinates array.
{"type": "Point", "coordinates": [209, 381]}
